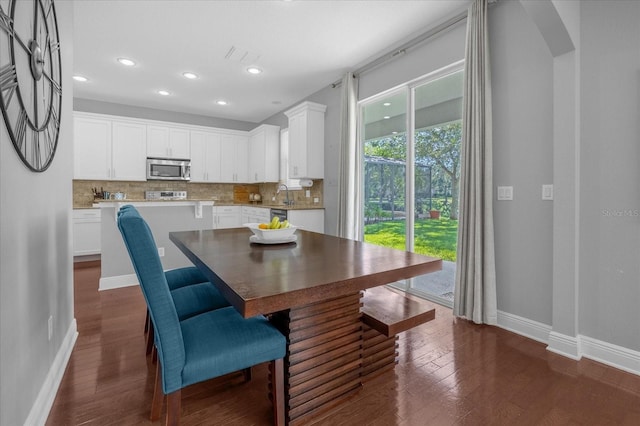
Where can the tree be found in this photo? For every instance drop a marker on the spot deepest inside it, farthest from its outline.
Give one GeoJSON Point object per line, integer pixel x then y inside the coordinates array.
{"type": "Point", "coordinates": [437, 147]}
{"type": "Point", "coordinates": [440, 146]}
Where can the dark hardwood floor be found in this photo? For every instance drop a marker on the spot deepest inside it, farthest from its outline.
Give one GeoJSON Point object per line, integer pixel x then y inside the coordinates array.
{"type": "Point", "coordinates": [450, 373]}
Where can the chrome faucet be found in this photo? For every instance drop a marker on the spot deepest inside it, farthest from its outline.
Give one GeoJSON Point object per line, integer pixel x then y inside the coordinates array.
{"type": "Point", "coordinates": [287, 201]}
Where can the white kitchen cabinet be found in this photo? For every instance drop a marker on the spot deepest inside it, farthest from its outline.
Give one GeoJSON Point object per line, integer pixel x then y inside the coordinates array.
{"type": "Point", "coordinates": [128, 151]}
{"type": "Point", "coordinates": [306, 141]}
{"type": "Point", "coordinates": [168, 142]}
{"type": "Point", "coordinates": [86, 232]}
{"type": "Point", "coordinates": [256, 214]}
{"type": "Point", "coordinates": [234, 164]}
{"type": "Point", "coordinates": [227, 217]}
{"type": "Point", "coordinates": [92, 148]}
{"type": "Point", "coordinates": [107, 149]}
{"type": "Point", "coordinates": [264, 154]}
{"type": "Point", "coordinates": [205, 156]}
{"type": "Point", "coordinates": [309, 220]}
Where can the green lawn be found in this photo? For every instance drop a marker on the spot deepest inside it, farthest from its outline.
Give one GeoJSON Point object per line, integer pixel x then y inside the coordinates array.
{"type": "Point", "coordinates": [433, 237]}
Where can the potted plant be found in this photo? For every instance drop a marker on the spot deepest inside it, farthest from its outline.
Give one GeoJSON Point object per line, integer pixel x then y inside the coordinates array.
{"type": "Point", "coordinates": [434, 214]}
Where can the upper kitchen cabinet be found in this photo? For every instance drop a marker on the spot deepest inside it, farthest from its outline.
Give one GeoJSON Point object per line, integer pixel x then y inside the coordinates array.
{"type": "Point", "coordinates": [234, 151]}
{"type": "Point", "coordinates": [205, 156]}
{"type": "Point", "coordinates": [264, 154]}
{"type": "Point", "coordinates": [129, 143]}
{"type": "Point", "coordinates": [107, 149]}
{"type": "Point", "coordinates": [306, 140]}
{"type": "Point", "coordinates": [168, 142]}
{"type": "Point", "coordinates": [92, 148]}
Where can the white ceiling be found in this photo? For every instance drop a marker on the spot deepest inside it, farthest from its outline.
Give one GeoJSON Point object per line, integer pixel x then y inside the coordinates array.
{"type": "Point", "coordinates": [302, 46]}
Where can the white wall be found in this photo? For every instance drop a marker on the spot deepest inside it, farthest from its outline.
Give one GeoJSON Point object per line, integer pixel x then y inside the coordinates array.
{"type": "Point", "coordinates": [36, 278]}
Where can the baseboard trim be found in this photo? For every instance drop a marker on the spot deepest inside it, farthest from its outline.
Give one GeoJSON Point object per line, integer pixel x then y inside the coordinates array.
{"type": "Point", "coordinates": [610, 354]}
{"type": "Point", "coordinates": [43, 403]}
{"type": "Point", "coordinates": [119, 281]}
{"type": "Point", "coordinates": [524, 326]}
{"type": "Point", "coordinates": [572, 347]}
{"type": "Point", "coordinates": [564, 345]}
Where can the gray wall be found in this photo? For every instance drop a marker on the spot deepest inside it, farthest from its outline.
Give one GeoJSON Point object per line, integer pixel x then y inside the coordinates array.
{"type": "Point", "coordinates": [590, 286]}
{"type": "Point", "coordinates": [99, 107]}
{"type": "Point", "coordinates": [610, 173]}
{"type": "Point", "coordinates": [36, 278]}
{"type": "Point", "coordinates": [522, 84]}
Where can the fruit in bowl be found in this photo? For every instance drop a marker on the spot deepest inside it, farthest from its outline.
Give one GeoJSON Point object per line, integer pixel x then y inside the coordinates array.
{"type": "Point", "coordinates": [274, 230]}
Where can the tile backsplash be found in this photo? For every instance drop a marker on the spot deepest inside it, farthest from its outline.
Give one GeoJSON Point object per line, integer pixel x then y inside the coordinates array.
{"type": "Point", "coordinates": [224, 193]}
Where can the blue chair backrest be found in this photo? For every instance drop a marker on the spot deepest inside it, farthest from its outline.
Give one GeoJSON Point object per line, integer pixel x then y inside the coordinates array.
{"type": "Point", "coordinates": [143, 252]}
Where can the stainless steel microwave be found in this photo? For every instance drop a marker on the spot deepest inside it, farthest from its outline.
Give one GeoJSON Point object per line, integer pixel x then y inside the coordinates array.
{"type": "Point", "coordinates": [168, 169]}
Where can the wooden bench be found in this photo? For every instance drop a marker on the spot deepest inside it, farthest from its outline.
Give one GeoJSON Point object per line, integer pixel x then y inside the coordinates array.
{"type": "Point", "coordinates": [385, 314]}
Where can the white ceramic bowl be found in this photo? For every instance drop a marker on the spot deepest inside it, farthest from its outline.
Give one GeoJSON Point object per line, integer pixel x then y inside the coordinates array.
{"type": "Point", "coordinates": [271, 234]}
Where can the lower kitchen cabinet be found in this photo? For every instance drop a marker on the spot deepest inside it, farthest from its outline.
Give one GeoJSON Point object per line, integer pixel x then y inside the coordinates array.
{"type": "Point", "coordinates": [256, 214]}
{"type": "Point", "coordinates": [227, 217]}
{"type": "Point", "coordinates": [309, 220]}
{"type": "Point", "coordinates": [86, 232]}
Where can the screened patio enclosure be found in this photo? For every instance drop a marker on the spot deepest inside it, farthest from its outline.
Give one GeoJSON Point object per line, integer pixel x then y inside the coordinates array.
{"type": "Point", "coordinates": [384, 189]}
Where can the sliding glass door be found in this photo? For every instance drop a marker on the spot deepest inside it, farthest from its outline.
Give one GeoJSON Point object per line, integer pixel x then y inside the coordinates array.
{"type": "Point", "coordinates": [411, 173]}
{"type": "Point", "coordinates": [385, 167]}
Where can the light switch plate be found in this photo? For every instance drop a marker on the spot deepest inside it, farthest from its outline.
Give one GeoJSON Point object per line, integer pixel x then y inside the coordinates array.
{"type": "Point", "coordinates": [547, 192]}
{"type": "Point", "coordinates": [505, 193]}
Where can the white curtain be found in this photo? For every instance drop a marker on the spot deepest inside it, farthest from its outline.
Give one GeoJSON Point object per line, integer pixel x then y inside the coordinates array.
{"type": "Point", "coordinates": [475, 290]}
{"type": "Point", "coordinates": [349, 202]}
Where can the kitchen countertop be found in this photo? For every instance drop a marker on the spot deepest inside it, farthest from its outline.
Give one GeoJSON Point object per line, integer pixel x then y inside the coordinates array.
{"type": "Point", "coordinates": [97, 203]}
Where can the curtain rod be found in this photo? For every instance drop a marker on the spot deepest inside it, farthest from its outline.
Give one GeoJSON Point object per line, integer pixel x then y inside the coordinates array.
{"type": "Point", "coordinates": [399, 51]}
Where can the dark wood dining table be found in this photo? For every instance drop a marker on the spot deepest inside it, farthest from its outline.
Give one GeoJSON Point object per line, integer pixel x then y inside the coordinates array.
{"type": "Point", "coordinates": [311, 289]}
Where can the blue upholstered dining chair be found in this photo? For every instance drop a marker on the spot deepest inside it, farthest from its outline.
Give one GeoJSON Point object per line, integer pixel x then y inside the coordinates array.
{"type": "Point", "coordinates": [203, 346]}
{"type": "Point", "coordinates": [192, 294]}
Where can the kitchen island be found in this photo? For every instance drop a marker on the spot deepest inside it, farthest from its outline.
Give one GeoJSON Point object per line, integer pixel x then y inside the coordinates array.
{"type": "Point", "coordinates": [161, 216]}
{"type": "Point", "coordinates": [164, 216]}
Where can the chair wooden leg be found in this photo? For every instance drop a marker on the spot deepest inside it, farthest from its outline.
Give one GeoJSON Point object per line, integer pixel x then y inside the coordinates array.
{"type": "Point", "coordinates": [158, 395]}
{"type": "Point", "coordinates": [173, 408]}
{"type": "Point", "coordinates": [247, 374]}
{"type": "Point", "coordinates": [146, 322]}
{"type": "Point", "coordinates": [277, 391]}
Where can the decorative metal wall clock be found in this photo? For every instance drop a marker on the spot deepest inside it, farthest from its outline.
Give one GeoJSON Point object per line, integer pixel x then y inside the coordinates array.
{"type": "Point", "coordinates": [30, 79]}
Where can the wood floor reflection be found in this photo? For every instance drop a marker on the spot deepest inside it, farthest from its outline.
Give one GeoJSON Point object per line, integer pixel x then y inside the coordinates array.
{"type": "Point", "coordinates": [450, 373]}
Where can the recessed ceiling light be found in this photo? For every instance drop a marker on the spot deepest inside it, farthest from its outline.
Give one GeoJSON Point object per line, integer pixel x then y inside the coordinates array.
{"type": "Point", "coordinates": [386, 117]}
{"type": "Point", "coordinates": [387, 104]}
{"type": "Point", "coordinates": [394, 133]}
{"type": "Point", "coordinates": [254, 70]}
{"type": "Point", "coordinates": [80, 78]}
{"type": "Point", "coordinates": [222, 102]}
{"type": "Point", "coordinates": [126, 62]}
{"type": "Point", "coordinates": [189, 75]}
{"type": "Point", "coordinates": [163, 93]}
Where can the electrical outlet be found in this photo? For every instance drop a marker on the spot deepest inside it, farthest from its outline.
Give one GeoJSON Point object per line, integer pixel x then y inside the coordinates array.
{"type": "Point", "coordinates": [316, 200]}
{"type": "Point", "coordinates": [547, 192]}
{"type": "Point", "coordinates": [161, 251]}
{"type": "Point", "coordinates": [505, 193]}
{"type": "Point", "coordinates": [50, 326]}
{"type": "Point", "coordinates": [307, 193]}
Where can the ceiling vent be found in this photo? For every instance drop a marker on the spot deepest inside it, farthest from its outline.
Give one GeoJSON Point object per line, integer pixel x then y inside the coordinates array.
{"type": "Point", "coordinates": [243, 56]}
